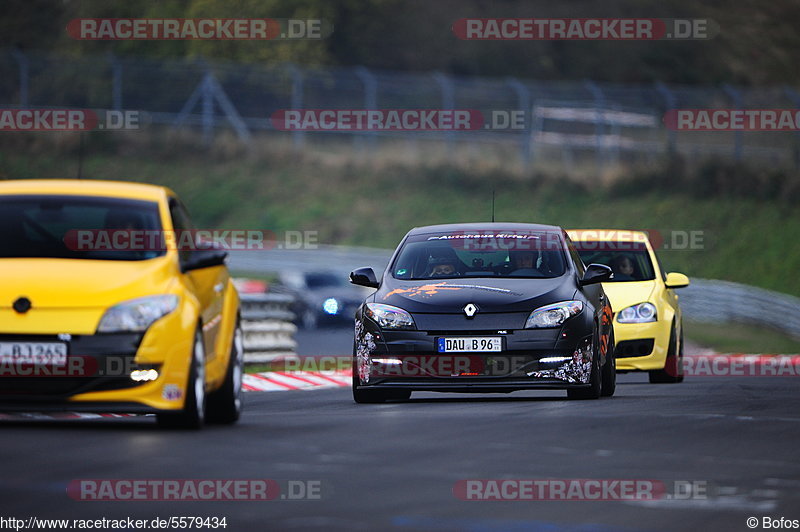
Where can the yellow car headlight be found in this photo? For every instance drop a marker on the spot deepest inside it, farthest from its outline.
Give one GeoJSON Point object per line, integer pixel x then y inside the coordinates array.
{"type": "Point", "coordinates": [641, 313]}
{"type": "Point", "coordinates": [137, 315]}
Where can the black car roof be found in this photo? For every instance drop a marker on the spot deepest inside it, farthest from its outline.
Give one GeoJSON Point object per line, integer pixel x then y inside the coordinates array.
{"type": "Point", "coordinates": [483, 226]}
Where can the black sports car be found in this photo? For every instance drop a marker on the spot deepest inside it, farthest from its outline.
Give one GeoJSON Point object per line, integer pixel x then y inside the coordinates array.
{"type": "Point", "coordinates": [484, 307]}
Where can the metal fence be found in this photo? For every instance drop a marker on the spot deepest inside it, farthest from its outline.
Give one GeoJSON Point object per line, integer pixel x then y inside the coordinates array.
{"type": "Point", "coordinates": [712, 301]}
{"type": "Point", "coordinates": [564, 121]}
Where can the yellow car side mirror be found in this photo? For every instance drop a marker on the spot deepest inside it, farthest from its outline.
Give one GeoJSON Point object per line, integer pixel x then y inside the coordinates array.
{"type": "Point", "coordinates": [676, 280]}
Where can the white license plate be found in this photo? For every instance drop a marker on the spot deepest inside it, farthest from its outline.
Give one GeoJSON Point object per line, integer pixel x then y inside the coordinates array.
{"type": "Point", "coordinates": [38, 353]}
{"type": "Point", "coordinates": [477, 344]}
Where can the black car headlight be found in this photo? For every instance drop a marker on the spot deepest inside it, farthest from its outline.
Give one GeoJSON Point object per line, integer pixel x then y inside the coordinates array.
{"type": "Point", "coordinates": [553, 315]}
{"type": "Point", "coordinates": [389, 317]}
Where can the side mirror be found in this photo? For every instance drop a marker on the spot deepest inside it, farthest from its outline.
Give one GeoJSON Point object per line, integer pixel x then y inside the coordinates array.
{"type": "Point", "coordinates": [203, 258]}
{"type": "Point", "coordinates": [364, 277]}
{"type": "Point", "coordinates": [597, 273]}
{"type": "Point", "coordinates": [676, 280]}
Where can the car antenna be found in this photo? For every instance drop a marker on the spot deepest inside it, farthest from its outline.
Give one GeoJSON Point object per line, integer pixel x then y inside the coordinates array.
{"type": "Point", "coordinates": [492, 204]}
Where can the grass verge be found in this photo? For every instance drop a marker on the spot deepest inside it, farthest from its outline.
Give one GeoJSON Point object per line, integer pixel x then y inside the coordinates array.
{"type": "Point", "coordinates": [739, 338]}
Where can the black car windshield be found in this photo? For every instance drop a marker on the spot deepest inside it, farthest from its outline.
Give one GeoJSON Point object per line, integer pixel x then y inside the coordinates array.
{"type": "Point", "coordinates": [481, 254]}
{"type": "Point", "coordinates": [76, 227]}
{"type": "Point", "coordinates": [630, 261]}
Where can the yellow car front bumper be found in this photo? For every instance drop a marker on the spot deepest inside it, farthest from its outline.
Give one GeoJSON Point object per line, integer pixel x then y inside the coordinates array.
{"type": "Point", "coordinates": [168, 344]}
{"type": "Point", "coordinates": [97, 376]}
{"type": "Point", "coordinates": [658, 331]}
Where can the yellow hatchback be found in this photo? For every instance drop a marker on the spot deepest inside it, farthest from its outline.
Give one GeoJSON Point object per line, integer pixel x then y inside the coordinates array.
{"type": "Point", "coordinates": [106, 306]}
{"type": "Point", "coordinates": [647, 317]}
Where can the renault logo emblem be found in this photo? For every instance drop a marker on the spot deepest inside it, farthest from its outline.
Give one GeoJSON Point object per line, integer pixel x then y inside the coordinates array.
{"type": "Point", "coordinates": [470, 310]}
{"type": "Point", "coordinates": [22, 305]}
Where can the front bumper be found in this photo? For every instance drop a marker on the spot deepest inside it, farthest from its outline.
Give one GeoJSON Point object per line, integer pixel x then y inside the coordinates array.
{"type": "Point", "coordinates": [530, 359]}
{"type": "Point", "coordinates": [633, 339]}
{"type": "Point", "coordinates": [97, 378]}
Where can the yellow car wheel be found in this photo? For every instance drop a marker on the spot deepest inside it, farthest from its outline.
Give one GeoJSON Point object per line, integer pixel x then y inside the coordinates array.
{"type": "Point", "coordinates": [673, 366]}
{"type": "Point", "coordinates": [225, 405]}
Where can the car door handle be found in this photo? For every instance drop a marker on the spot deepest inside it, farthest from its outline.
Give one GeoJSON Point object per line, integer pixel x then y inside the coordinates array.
{"type": "Point", "coordinates": [602, 298]}
{"type": "Point", "coordinates": [218, 287]}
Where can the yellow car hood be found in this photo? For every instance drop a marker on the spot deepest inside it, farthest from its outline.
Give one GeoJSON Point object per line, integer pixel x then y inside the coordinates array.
{"type": "Point", "coordinates": [625, 294]}
{"type": "Point", "coordinates": [73, 283]}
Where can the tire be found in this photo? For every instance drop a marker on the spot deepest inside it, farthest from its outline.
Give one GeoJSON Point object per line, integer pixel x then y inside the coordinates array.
{"type": "Point", "coordinates": [608, 376]}
{"type": "Point", "coordinates": [595, 386]}
{"type": "Point", "coordinates": [673, 366]}
{"type": "Point", "coordinates": [224, 406]}
{"type": "Point", "coordinates": [366, 396]}
{"type": "Point", "coordinates": [192, 416]}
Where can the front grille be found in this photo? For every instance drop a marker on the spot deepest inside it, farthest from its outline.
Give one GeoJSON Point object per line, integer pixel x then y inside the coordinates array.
{"type": "Point", "coordinates": [480, 322]}
{"type": "Point", "coordinates": [634, 348]}
{"type": "Point", "coordinates": [94, 363]}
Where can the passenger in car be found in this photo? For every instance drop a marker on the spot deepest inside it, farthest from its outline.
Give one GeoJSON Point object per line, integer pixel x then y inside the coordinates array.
{"type": "Point", "coordinates": [623, 268]}
{"type": "Point", "coordinates": [523, 264]}
{"type": "Point", "coordinates": [443, 268]}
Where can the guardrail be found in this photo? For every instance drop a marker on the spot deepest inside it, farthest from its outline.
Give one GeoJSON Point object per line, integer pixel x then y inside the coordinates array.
{"type": "Point", "coordinates": [708, 300]}
{"type": "Point", "coordinates": [268, 328]}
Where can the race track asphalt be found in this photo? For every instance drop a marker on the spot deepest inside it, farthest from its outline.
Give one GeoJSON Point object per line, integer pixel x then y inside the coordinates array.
{"type": "Point", "coordinates": [393, 466]}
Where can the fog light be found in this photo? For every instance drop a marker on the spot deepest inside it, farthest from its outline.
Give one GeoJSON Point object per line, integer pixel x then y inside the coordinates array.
{"type": "Point", "coordinates": [387, 361]}
{"type": "Point", "coordinates": [554, 360]}
{"type": "Point", "coordinates": [143, 375]}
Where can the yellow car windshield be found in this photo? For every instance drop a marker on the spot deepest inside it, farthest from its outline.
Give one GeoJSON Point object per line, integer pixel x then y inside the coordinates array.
{"type": "Point", "coordinates": [79, 227]}
{"type": "Point", "coordinates": [630, 261]}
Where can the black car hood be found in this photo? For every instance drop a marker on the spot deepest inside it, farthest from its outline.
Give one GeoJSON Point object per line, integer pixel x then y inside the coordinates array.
{"type": "Point", "coordinates": [489, 294]}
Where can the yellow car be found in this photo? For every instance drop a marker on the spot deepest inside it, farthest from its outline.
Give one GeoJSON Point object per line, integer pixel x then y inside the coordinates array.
{"type": "Point", "coordinates": [107, 306]}
{"type": "Point", "coordinates": [647, 317]}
